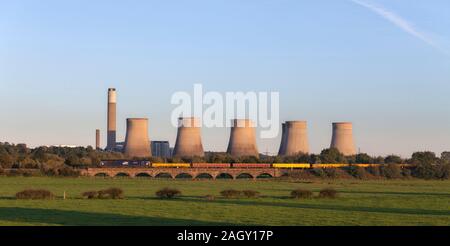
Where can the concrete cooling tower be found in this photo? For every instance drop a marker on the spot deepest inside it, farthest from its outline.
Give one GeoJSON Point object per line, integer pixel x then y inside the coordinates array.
{"type": "Point", "coordinates": [111, 137]}
{"type": "Point", "coordinates": [137, 143]}
{"type": "Point", "coordinates": [294, 139]}
{"type": "Point", "coordinates": [189, 140]}
{"type": "Point", "coordinates": [343, 138]}
{"type": "Point", "coordinates": [242, 139]}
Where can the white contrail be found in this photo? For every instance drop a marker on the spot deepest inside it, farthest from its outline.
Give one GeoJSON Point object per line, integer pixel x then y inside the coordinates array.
{"type": "Point", "coordinates": [398, 21]}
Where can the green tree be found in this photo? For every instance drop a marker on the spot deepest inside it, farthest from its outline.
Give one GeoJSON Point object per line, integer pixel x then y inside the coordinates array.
{"type": "Point", "coordinates": [249, 159]}
{"type": "Point", "coordinates": [72, 160]}
{"type": "Point", "coordinates": [445, 157]}
{"type": "Point", "coordinates": [39, 154]}
{"type": "Point", "coordinates": [6, 161]}
{"type": "Point", "coordinates": [393, 159]}
{"type": "Point", "coordinates": [424, 158]}
{"type": "Point", "coordinates": [425, 164]}
{"type": "Point", "coordinates": [364, 158]}
{"type": "Point", "coordinates": [379, 160]}
{"type": "Point", "coordinates": [332, 156]}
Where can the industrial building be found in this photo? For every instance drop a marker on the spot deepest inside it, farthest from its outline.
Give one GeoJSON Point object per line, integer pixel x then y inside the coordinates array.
{"type": "Point", "coordinates": [242, 140]}
{"type": "Point", "coordinates": [161, 149]}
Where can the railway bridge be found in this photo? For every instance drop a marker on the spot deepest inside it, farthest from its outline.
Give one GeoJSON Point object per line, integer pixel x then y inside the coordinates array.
{"type": "Point", "coordinates": [184, 173]}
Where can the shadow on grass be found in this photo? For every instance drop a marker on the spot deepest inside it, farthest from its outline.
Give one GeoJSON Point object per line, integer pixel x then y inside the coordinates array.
{"type": "Point", "coordinates": [383, 193]}
{"type": "Point", "coordinates": [397, 193]}
{"type": "Point", "coordinates": [333, 207]}
{"type": "Point", "coordinates": [78, 218]}
{"type": "Point", "coordinates": [7, 198]}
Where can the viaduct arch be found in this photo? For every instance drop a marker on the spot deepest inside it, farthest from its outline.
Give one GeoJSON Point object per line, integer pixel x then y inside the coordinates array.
{"type": "Point", "coordinates": [184, 173]}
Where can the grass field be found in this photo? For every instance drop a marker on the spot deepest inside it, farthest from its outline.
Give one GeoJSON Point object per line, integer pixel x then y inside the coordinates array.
{"type": "Point", "coordinates": [400, 202]}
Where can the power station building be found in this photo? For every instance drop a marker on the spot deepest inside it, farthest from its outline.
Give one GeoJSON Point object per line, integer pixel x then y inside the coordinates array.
{"type": "Point", "coordinates": [161, 149]}
{"type": "Point", "coordinates": [242, 140]}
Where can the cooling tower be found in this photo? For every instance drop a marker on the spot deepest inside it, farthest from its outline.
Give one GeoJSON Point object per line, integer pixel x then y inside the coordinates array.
{"type": "Point", "coordinates": [189, 140]}
{"type": "Point", "coordinates": [343, 138]}
{"type": "Point", "coordinates": [294, 139]}
{"type": "Point", "coordinates": [97, 139]}
{"type": "Point", "coordinates": [242, 139]}
{"type": "Point", "coordinates": [111, 137]}
{"type": "Point", "coordinates": [283, 140]}
{"type": "Point", "coordinates": [137, 143]}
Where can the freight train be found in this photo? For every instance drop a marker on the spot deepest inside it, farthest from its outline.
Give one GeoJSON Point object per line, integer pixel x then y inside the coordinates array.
{"type": "Point", "coordinates": [148, 164]}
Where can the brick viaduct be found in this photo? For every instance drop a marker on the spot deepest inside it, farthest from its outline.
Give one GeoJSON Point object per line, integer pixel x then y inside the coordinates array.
{"type": "Point", "coordinates": [192, 173]}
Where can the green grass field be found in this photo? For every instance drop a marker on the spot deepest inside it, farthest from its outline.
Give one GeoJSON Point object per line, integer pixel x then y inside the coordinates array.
{"type": "Point", "coordinates": [400, 202]}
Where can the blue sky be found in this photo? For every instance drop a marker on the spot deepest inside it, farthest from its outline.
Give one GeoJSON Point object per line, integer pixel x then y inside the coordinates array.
{"type": "Point", "coordinates": [384, 65]}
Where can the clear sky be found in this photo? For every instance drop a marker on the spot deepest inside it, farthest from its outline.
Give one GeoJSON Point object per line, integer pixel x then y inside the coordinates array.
{"type": "Point", "coordinates": [382, 64]}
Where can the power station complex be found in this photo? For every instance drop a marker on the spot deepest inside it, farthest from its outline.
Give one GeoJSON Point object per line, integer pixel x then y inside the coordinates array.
{"type": "Point", "coordinates": [242, 140]}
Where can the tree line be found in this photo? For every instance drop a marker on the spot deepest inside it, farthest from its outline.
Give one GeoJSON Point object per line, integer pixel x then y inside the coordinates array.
{"type": "Point", "coordinates": [60, 160]}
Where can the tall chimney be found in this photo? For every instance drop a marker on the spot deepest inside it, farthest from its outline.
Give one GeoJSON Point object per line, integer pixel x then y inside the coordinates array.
{"type": "Point", "coordinates": [97, 139]}
{"type": "Point", "coordinates": [137, 142]}
{"type": "Point", "coordinates": [295, 138]}
{"type": "Point", "coordinates": [112, 100]}
{"type": "Point", "coordinates": [343, 138]}
{"type": "Point", "coordinates": [189, 140]}
{"type": "Point", "coordinates": [242, 139]}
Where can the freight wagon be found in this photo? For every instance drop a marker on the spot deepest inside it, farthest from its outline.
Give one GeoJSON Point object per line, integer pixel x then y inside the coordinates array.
{"type": "Point", "coordinates": [172, 165]}
{"type": "Point", "coordinates": [365, 165]}
{"type": "Point", "coordinates": [291, 165]}
{"type": "Point", "coordinates": [251, 165]}
{"type": "Point", "coordinates": [211, 165]}
{"type": "Point", "coordinates": [132, 163]}
{"type": "Point", "coordinates": [329, 165]}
